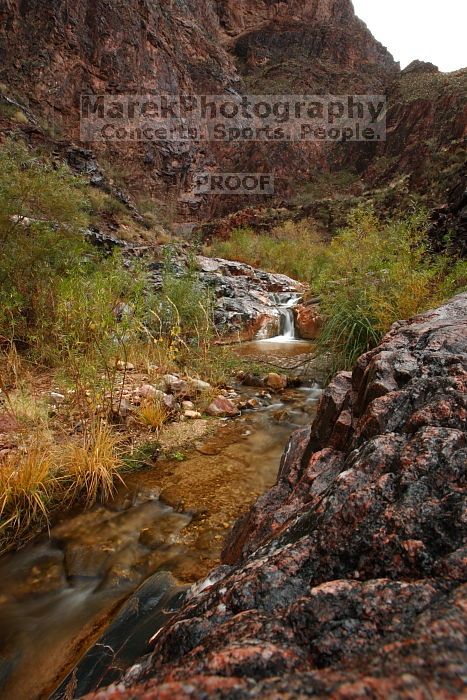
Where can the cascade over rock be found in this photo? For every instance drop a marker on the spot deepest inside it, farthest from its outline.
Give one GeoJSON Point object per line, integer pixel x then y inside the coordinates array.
{"type": "Point", "coordinates": [247, 300]}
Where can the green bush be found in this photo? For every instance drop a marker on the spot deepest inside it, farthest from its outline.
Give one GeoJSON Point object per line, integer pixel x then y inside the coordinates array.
{"type": "Point", "coordinates": [103, 204]}
{"type": "Point", "coordinates": [294, 249]}
{"type": "Point", "coordinates": [102, 309]}
{"type": "Point", "coordinates": [372, 274]}
{"type": "Point", "coordinates": [42, 210]}
{"type": "Point", "coordinates": [185, 304]}
{"type": "Point", "coordinates": [375, 273]}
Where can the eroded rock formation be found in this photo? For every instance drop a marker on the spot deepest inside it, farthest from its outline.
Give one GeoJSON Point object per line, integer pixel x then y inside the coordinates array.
{"type": "Point", "coordinates": [246, 299]}
{"type": "Point", "coordinates": [348, 578]}
{"type": "Point", "coordinates": [52, 53]}
{"type": "Point", "coordinates": [308, 320]}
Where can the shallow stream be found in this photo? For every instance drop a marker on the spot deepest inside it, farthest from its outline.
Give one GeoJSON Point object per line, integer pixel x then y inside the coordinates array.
{"type": "Point", "coordinates": [163, 531]}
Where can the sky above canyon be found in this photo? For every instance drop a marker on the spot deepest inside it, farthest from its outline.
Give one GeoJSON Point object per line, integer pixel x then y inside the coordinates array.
{"type": "Point", "coordinates": [425, 29]}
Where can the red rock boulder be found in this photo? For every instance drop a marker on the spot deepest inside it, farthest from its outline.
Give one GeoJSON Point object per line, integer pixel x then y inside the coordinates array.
{"type": "Point", "coordinates": [308, 321]}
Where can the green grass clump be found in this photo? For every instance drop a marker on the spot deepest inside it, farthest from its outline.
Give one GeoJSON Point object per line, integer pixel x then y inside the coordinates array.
{"type": "Point", "coordinates": [376, 273]}
{"type": "Point", "coordinates": [293, 248]}
{"type": "Point", "coordinates": [59, 296]}
{"type": "Point", "coordinates": [103, 204]}
{"type": "Point", "coordinates": [185, 304]}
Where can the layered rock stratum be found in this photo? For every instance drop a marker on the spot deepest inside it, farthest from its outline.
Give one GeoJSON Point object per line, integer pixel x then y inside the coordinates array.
{"type": "Point", "coordinates": [52, 53]}
{"type": "Point", "coordinates": [348, 578]}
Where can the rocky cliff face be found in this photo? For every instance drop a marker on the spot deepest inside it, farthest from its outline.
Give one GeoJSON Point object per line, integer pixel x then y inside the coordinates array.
{"type": "Point", "coordinates": [51, 54]}
{"type": "Point", "coordinates": [313, 47]}
{"type": "Point", "coordinates": [427, 130]}
{"type": "Point", "coordinates": [237, 17]}
{"type": "Point", "coordinates": [348, 578]}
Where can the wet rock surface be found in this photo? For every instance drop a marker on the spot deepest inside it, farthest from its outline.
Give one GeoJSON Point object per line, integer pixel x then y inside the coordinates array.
{"type": "Point", "coordinates": [347, 579]}
{"type": "Point", "coordinates": [58, 595]}
{"type": "Point", "coordinates": [247, 298]}
{"type": "Point", "coordinates": [308, 321]}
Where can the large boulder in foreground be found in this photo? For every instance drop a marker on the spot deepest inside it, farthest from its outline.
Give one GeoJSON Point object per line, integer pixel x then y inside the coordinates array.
{"type": "Point", "coordinates": [346, 580]}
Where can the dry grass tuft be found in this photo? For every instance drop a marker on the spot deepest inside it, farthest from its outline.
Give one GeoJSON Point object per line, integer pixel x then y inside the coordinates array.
{"type": "Point", "coordinates": [27, 409]}
{"type": "Point", "coordinates": [152, 414]}
{"type": "Point", "coordinates": [91, 468]}
{"type": "Point", "coordinates": [28, 483]}
{"type": "Point", "coordinates": [40, 478]}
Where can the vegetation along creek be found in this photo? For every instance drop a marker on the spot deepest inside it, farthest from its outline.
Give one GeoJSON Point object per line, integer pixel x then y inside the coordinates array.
{"type": "Point", "coordinates": [233, 350]}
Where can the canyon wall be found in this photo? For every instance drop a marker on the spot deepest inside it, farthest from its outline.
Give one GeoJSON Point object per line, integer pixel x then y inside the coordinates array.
{"type": "Point", "coordinates": [52, 53]}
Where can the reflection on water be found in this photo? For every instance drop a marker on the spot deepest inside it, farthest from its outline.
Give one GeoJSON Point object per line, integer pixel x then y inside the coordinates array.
{"type": "Point", "coordinates": [279, 347]}
{"type": "Point", "coordinates": [57, 596]}
{"type": "Point", "coordinates": [127, 637]}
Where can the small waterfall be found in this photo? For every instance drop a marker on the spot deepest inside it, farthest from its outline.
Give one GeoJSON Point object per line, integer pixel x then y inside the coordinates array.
{"type": "Point", "coordinates": [287, 321]}
{"type": "Point", "coordinates": [287, 324]}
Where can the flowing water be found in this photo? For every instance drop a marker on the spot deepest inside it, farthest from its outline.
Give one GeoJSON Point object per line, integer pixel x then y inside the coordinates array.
{"type": "Point", "coordinates": [163, 531]}
{"type": "Point", "coordinates": [286, 348]}
{"type": "Point", "coordinates": [287, 327]}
